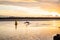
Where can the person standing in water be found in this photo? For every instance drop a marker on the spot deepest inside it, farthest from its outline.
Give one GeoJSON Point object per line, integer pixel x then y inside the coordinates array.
{"type": "Point", "coordinates": [16, 24]}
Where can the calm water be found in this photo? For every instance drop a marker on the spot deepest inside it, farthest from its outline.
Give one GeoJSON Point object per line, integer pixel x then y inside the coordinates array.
{"type": "Point", "coordinates": [37, 30]}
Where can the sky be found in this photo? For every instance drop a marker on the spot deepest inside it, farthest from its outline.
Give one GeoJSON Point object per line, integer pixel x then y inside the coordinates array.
{"type": "Point", "coordinates": [28, 7]}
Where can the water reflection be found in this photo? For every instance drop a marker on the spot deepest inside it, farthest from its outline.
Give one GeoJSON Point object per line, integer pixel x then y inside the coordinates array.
{"type": "Point", "coordinates": [36, 30]}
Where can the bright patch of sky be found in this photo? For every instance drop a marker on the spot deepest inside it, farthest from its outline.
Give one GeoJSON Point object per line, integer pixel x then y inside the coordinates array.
{"type": "Point", "coordinates": [28, 10]}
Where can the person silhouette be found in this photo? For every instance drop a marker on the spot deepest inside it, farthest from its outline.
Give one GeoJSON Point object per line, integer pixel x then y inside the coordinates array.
{"type": "Point", "coordinates": [56, 37]}
{"type": "Point", "coordinates": [16, 24]}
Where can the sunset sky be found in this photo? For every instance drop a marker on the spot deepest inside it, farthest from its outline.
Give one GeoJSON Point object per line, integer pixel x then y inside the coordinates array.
{"type": "Point", "coordinates": [29, 8]}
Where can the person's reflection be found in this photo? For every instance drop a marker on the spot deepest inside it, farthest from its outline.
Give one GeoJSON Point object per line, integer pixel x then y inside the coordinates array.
{"type": "Point", "coordinates": [16, 24]}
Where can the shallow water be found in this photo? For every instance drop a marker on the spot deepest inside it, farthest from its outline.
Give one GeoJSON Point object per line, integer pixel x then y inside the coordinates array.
{"type": "Point", "coordinates": [37, 30]}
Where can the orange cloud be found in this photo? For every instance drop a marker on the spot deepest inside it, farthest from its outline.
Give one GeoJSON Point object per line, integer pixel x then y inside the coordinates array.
{"type": "Point", "coordinates": [51, 7]}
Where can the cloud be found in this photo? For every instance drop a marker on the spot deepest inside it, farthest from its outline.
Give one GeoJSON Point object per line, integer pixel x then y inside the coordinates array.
{"type": "Point", "coordinates": [22, 11]}
{"type": "Point", "coordinates": [32, 0]}
{"type": "Point", "coordinates": [27, 4]}
{"type": "Point", "coordinates": [48, 0]}
{"type": "Point", "coordinates": [20, 0]}
{"type": "Point", "coordinates": [55, 6]}
{"type": "Point", "coordinates": [19, 3]}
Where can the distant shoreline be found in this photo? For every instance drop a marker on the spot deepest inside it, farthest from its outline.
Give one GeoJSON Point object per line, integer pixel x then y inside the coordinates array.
{"type": "Point", "coordinates": [29, 18]}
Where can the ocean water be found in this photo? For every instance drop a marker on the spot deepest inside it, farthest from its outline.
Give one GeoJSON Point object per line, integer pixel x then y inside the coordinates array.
{"type": "Point", "coordinates": [36, 30]}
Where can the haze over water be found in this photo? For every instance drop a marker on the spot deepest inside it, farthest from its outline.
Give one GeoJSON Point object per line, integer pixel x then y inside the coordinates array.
{"type": "Point", "coordinates": [37, 30]}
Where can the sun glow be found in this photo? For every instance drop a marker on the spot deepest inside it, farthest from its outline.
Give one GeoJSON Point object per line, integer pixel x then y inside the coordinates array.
{"type": "Point", "coordinates": [30, 10]}
{"type": "Point", "coordinates": [55, 14]}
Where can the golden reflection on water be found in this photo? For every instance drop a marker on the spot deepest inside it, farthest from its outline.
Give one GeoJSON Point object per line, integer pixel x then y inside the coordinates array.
{"type": "Point", "coordinates": [41, 31]}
